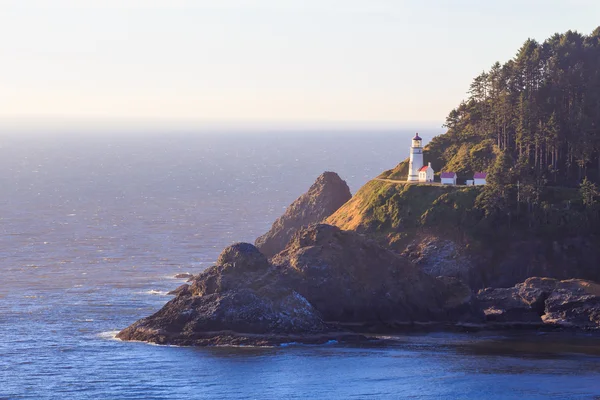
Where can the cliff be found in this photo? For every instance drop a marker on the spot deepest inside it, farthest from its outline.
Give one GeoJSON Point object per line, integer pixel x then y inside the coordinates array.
{"type": "Point", "coordinates": [325, 282]}
{"type": "Point", "coordinates": [445, 231]}
{"type": "Point", "coordinates": [395, 256]}
{"type": "Point", "coordinates": [325, 196]}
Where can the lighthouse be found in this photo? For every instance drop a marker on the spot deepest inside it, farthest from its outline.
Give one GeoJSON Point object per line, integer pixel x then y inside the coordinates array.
{"type": "Point", "coordinates": [416, 159]}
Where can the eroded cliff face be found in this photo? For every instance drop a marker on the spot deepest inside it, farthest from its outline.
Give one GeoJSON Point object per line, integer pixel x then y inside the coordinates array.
{"type": "Point", "coordinates": [350, 279]}
{"type": "Point", "coordinates": [480, 263]}
{"type": "Point", "coordinates": [323, 281]}
{"type": "Point", "coordinates": [325, 196]}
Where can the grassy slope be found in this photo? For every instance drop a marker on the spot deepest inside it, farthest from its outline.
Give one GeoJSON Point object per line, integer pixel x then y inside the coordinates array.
{"type": "Point", "coordinates": [395, 211]}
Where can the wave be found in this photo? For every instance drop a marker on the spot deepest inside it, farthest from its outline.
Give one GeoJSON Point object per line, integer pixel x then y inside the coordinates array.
{"type": "Point", "coordinates": [109, 335]}
{"type": "Point", "coordinates": [155, 292]}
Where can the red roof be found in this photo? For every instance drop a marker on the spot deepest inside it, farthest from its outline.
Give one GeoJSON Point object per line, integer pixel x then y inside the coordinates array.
{"type": "Point", "coordinates": [417, 137]}
{"type": "Point", "coordinates": [479, 175]}
{"type": "Point", "coordinates": [448, 175]}
{"type": "Point", "coordinates": [424, 168]}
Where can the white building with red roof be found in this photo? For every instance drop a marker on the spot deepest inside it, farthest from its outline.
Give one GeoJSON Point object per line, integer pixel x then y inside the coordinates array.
{"type": "Point", "coordinates": [448, 178]}
{"type": "Point", "coordinates": [479, 178]}
{"type": "Point", "coordinates": [426, 173]}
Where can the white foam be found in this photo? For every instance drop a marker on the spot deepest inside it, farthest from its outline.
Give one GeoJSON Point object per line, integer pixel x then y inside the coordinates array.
{"type": "Point", "coordinates": [110, 335]}
{"type": "Point", "coordinates": [156, 292]}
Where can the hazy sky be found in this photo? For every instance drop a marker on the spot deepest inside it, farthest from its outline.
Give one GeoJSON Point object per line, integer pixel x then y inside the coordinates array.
{"type": "Point", "coordinates": [261, 60]}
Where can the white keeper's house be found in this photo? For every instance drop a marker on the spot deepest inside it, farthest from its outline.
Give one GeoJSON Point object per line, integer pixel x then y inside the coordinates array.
{"type": "Point", "coordinates": [426, 173]}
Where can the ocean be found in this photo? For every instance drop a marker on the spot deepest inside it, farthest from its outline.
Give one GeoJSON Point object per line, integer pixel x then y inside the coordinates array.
{"type": "Point", "coordinates": [94, 227]}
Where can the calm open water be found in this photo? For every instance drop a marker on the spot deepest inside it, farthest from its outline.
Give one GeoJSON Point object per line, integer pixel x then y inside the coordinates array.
{"type": "Point", "coordinates": [94, 227]}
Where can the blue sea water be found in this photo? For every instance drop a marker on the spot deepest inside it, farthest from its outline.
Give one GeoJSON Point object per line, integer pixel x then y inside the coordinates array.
{"type": "Point", "coordinates": [93, 227]}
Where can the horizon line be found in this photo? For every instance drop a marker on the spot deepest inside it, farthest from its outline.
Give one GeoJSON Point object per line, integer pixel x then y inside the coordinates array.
{"type": "Point", "coordinates": [23, 124]}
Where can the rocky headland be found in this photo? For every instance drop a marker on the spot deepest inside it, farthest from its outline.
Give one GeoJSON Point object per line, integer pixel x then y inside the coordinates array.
{"type": "Point", "coordinates": [520, 251]}
{"type": "Point", "coordinates": [384, 261]}
{"type": "Point", "coordinates": [326, 285]}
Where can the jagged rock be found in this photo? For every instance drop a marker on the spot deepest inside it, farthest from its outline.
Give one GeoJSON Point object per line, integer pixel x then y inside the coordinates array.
{"type": "Point", "coordinates": [241, 300]}
{"type": "Point", "coordinates": [185, 275]}
{"type": "Point", "coordinates": [350, 279]}
{"type": "Point", "coordinates": [180, 290]}
{"type": "Point", "coordinates": [534, 292]}
{"type": "Point", "coordinates": [324, 274]}
{"type": "Point", "coordinates": [574, 303]}
{"type": "Point", "coordinates": [201, 320]}
{"type": "Point", "coordinates": [244, 257]}
{"type": "Point", "coordinates": [325, 196]}
{"type": "Point", "coordinates": [521, 304]}
{"type": "Point", "coordinates": [441, 257]}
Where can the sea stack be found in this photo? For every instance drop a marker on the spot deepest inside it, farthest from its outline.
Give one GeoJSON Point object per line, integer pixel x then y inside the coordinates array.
{"type": "Point", "coordinates": [325, 196]}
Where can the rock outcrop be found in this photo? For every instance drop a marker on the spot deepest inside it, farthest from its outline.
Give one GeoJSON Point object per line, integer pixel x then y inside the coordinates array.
{"type": "Point", "coordinates": [325, 196]}
{"type": "Point", "coordinates": [239, 301]}
{"type": "Point", "coordinates": [442, 257]}
{"type": "Point", "coordinates": [350, 279]}
{"type": "Point", "coordinates": [329, 284]}
{"type": "Point", "coordinates": [544, 302]}
{"type": "Point", "coordinates": [184, 275]}
{"type": "Point", "coordinates": [521, 304]}
{"type": "Point", "coordinates": [574, 303]}
{"type": "Point", "coordinates": [323, 283]}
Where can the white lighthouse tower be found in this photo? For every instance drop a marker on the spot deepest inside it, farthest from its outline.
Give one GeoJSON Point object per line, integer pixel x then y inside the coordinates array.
{"type": "Point", "coordinates": [416, 159]}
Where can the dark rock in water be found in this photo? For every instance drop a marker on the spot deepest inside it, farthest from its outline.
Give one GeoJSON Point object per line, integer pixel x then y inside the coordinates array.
{"type": "Point", "coordinates": [574, 303]}
{"type": "Point", "coordinates": [325, 274]}
{"type": "Point", "coordinates": [199, 320]}
{"type": "Point", "coordinates": [534, 292]}
{"type": "Point", "coordinates": [239, 301]}
{"type": "Point", "coordinates": [185, 275]}
{"type": "Point", "coordinates": [521, 304]}
{"type": "Point", "coordinates": [325, 196]}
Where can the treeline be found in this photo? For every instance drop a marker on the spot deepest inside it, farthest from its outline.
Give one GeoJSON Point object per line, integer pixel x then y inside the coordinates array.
{"type": "Point", "coordinates": [541, 111]}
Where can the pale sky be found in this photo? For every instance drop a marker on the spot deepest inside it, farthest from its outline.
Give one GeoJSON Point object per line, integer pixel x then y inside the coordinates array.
{"type": "Point", "coordinates": [292, 61]}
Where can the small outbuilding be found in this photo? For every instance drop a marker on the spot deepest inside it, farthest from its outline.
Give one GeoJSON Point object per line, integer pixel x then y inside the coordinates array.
{"type": "Point", "coordinates": [426, 173]}
{"type": "Point", "coordinates": [479, 178]}
{"type": "Point", "coordinates": [448, 178]}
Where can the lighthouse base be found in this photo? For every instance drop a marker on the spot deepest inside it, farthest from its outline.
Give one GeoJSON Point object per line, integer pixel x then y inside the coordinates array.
{"type": "Point", "coordinates": [413, 178]}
